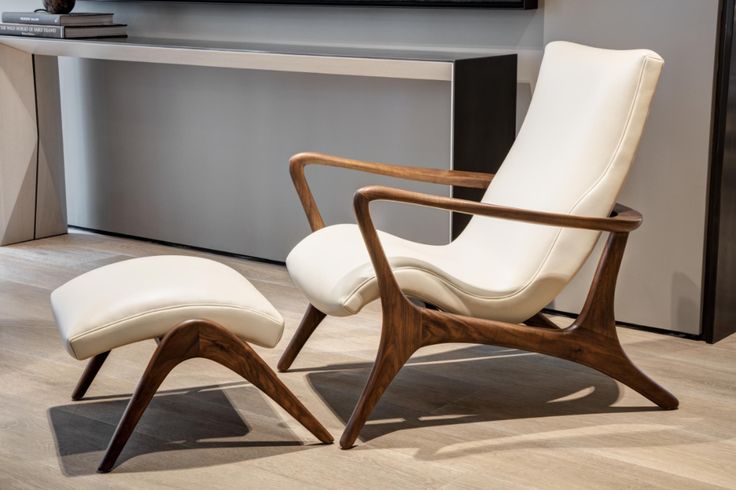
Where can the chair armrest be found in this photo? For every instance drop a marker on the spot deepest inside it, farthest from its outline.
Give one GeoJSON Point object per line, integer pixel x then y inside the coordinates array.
{"type": "Point", "coordinates": [622, 221]}
{"type": "Point", "coordinates": [297, 163]}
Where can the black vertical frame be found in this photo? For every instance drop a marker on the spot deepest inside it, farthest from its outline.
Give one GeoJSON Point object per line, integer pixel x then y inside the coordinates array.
{"type": "Point", "coordinates": [484, 120]}
{"type": "Point", "coordinates": [486, 4]}
{"type": "Point", "coordinates": [719, 275]}
{"type": "Point", "coordinates": [38, 148]}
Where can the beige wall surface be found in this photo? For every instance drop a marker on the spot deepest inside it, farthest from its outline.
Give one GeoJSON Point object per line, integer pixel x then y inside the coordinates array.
{"type": "Point", "coordinates": [138, 137]}
{"type": "Point", "coordinates": [661, 276]}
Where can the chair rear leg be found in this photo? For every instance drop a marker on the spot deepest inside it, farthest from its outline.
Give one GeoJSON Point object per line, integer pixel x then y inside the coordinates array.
{"type": "Point", "coordinates": [615, 363]}
{"type": "Point", "coordinates": [597, 327]}
{"type": "Point", "coordinates": [93, 367]}
{"type": "Point", "coordinates": [312, 318]}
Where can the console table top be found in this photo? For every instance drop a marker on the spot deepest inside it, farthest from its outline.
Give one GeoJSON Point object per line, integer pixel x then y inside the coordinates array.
{"type": "Point", "coordinates": [266, 48]}
{"type": "Point", "coordinates": [336, 60]}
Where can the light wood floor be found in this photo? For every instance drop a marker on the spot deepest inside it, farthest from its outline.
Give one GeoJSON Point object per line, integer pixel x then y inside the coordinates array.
{"type": "Point", "coordinates": [456, 417]}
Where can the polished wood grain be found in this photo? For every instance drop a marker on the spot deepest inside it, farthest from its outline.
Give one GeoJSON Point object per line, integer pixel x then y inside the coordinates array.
{"type": "Point", "coordinates": [299, 162]}
{"type": "Point", "coordinates": [542, 321]}
{"type": "Point", "coordinates": [90, 372]}
{"type": "Point", "coordinates": [623, 219]}
{"type": "Point", "coordinates": [201, 338]}
{"type": "Point", "coordinates": [312, 318]}
{"type": "Point", "coordinates": [93, 367]}
{"type": "Point", "coordinates": [591, 340]}
{"type": "Point", "coordinates": [297, 166]}
{"type": "Point", "coordinates": [457, 416]}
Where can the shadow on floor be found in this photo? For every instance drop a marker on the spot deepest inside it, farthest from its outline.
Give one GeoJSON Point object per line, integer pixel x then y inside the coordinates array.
{"type": "Point", "coordinates": [180, 429]}
{"type": "Point", "coordinates": [474, 384]}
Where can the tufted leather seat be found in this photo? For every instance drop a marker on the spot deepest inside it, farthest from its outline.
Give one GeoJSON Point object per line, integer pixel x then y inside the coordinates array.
{"type": "Point", "coordinates": [143, 298]}
{"type": "Point", "coordinates": [571, 157]}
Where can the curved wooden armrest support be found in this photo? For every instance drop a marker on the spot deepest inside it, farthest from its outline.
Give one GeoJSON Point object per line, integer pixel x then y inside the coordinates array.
{"type": "Point", "coordinates": [622, 219]}
{"type": "Point", "coordinates": [297, 163]}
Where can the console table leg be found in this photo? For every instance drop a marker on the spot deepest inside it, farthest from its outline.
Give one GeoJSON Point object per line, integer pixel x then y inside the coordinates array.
{"type": "Point", "coordinates": [51, 189]}
{"type": "Point", "coordinates": [32, 196]}
{"type": "Point", "coordinates": [18, 146]}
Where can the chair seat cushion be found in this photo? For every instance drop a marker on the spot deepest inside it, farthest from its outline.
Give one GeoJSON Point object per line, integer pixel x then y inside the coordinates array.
{"type": "Point", "coordinates": [333, 269]}
{"type": "Point", "coordinates": [144, 298]}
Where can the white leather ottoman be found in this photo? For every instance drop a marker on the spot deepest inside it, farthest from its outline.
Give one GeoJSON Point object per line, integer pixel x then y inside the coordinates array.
{"type": "Point", "coordinates": [193, 307]}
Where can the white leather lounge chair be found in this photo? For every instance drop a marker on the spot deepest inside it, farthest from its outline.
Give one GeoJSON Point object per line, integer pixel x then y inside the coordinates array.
{"type": "Point", "coordinates": [538, 222]}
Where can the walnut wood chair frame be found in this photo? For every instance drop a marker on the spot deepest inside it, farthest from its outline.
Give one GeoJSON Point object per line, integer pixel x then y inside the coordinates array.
{"type": "Point", "coordinates": [189, 340]}
{"type": "Point", "coordinates": [591, 340]}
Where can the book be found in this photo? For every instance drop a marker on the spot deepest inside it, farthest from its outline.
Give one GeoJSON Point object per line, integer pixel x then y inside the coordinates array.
{"type": "Point", "coordinates": [44, 18]}
{"type": "Point", "coordinates": [63, 32]}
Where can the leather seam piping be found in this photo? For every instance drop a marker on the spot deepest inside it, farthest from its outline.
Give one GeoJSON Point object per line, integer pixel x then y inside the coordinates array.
{"type": "Point", "coordinates": [169, 308]}
{"type": "Point", "coordinates": [435, 275]}
{"type": "Point", "coordinates": [617, 151]}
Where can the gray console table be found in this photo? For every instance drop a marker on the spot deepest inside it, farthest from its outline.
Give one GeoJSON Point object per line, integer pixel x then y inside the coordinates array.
{"type": "Point", "coordinates": [32, 191]}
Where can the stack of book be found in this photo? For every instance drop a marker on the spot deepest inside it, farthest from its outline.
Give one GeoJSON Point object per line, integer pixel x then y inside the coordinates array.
{"type": "Point", "coordinates": [60, 26]}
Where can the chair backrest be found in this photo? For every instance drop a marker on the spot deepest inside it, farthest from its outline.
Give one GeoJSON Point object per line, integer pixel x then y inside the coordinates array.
{"type": "Point", "coordinates": [571, 156]}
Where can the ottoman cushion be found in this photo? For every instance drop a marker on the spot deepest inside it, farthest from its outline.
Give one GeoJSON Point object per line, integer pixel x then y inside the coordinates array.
{"type": "Point", "coordinates": [144, 298]}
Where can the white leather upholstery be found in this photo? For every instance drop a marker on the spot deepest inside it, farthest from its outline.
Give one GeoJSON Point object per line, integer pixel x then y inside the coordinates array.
{"type": "Point", "coordinates": [571, 156]}
{"type": "Point", "coordinates": [143, 298]}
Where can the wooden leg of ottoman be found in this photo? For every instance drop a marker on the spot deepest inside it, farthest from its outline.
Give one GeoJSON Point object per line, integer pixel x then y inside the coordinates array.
{"type": "Point", "coordinates": [200, 338]}
{"type": "Point", "coordinates": [93, 367]}
{"type": "Point", "coordinates": [311, 320]}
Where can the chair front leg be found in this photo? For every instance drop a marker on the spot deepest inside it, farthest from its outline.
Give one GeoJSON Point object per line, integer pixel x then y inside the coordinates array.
{"type": "Point", "coordinates": [400, 338]}
{"type": "Point", "coordinates": [401, 332]}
